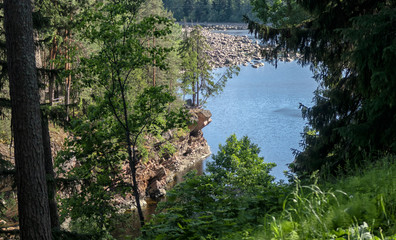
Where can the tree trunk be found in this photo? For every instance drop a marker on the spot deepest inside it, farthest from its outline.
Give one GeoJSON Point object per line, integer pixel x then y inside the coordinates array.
{"type": "Point", "coordinates": [52, 74]}
{"type": "Point", "coordinates": [49, 170]}
{"type": "Point", "coordinates": [135, 187]}
{"type": "Point", "coordinates": [198, 67]}
{"type": "Point", "coordinates": [154, 60]}
{"type": "Point", "coordinates": [34, 217]}
{"type": "Point", "coordinates": [198, 92]}
{"type": "Point", "coordinates": [131, 156]}
{"type": "Point", "coordinates": [193, 90]}
{"type": "Point", "coordinates": [68, 78]}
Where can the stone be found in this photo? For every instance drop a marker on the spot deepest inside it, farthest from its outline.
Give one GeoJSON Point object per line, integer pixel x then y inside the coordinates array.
{"type": "Point", "coordinates": [156, 190]}
{"type": "Point", "coordinates": [228, 50]}
{"type": "Point", "coordinates": [201, 118]}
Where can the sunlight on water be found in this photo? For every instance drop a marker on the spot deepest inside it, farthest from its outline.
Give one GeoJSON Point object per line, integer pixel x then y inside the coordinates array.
{"type": "Point", "coordinates": [263, 104]}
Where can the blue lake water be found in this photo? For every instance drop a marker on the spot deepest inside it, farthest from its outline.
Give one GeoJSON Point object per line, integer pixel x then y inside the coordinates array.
{"type": "Point", "coordinates": [263, 104]}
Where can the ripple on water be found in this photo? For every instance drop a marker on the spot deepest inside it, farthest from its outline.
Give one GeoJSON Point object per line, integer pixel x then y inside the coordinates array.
{"type": "Point", "coordinates": [263, 104]}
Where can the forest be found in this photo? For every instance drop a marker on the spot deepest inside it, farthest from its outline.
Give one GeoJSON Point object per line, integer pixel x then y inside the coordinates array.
{"type": "Point", "coordinates": [209, 10]}
{"type": "Point", "coordinates": [91, 92]}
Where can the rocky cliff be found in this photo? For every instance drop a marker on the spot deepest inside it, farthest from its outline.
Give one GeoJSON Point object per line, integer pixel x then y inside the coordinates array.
{"type": "Point", "coordinates": [188, 147]}
{"type": "Point", "coordinates": [156, 175]}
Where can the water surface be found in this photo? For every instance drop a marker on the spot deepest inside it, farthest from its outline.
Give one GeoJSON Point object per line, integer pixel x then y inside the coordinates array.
{"type": "Point", "coordinates": [263, 104]}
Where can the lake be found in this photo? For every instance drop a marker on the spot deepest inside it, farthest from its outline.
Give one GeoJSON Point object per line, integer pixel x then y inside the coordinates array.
{"type": "Point", "coordinates": [263, 104]}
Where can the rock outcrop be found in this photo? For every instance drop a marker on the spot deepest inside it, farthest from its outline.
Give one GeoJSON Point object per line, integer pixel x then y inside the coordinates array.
{"type": "Point", "coordinates": [162, 167]}
{"type": "Point", "coordinates": [160, 171]}
{"type": "Point", "coordinates": [201, 118]}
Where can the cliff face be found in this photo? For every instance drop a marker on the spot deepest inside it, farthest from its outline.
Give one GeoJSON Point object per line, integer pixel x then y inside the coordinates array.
{"type": "Point", "coordinates": [161, 169]}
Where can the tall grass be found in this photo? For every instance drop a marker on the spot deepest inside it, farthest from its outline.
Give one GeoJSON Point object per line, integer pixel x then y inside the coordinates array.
{"type": "Point", "coordinates": [362, 206]}
{"type": "Point", "coordinates": [357, 206]}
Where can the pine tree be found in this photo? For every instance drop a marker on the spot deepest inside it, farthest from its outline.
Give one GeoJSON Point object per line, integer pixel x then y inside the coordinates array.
{"type": "Point", "coordinates": [197, 78]}
{"type": "Point", "coordinates": [33, 208]}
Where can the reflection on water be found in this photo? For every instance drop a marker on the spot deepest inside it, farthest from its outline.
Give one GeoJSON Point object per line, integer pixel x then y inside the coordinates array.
{"type": "Point", "coordinates": [289, 112]}
{"type": "Point", "coordinates": [263, 104]}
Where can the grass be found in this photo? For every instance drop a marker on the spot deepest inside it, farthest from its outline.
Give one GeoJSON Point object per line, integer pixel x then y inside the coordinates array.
{"type": "Point", "coordinates": [359, 206]}
{"type": "Point", "coordinates": [355, 206]}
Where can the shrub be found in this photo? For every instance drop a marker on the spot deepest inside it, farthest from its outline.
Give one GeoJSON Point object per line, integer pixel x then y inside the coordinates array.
{"type": "Point", "coordinates": [236, 193]}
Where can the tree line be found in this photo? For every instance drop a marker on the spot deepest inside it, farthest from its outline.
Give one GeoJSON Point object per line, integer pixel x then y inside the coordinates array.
{"type": "Point", "coordinates": [209, 10]}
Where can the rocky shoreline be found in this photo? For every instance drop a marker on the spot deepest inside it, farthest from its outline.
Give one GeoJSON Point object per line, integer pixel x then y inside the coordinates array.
{"type": "Point", "coordinates": [162, 172]}
{"type": "Point", "coordinates": [217, 26]}
{"type": "Point", "coordinates": [229, 50]}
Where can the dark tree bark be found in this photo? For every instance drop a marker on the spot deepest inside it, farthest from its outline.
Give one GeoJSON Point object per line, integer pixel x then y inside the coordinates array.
{"type": "Point", "coordinates": [49, 170]}
{"type": "Point", "coordinates": [154, 83]}
{"type": "Point", "coordinates": [52, 77]}
{"type": "Point", "coordinates": [68, 78]}
{"type": "Point", "coordinates": [193, 92]}
{"type": "Point", "coordinates": [34, 217]}
{"type": "Point", "coordinates": [133, 160]}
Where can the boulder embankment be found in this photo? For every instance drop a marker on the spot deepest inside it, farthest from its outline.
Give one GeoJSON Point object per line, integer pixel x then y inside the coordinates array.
{"type": "Point", "coordinates": [228, 50]}
{"type": "Point", "coordinates": [231, 50]}
{"type": "Point", "coordinates": [216, 26]}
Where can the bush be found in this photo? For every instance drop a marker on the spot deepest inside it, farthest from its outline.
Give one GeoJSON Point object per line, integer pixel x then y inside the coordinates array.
{"type": "Point", "coordinates": [167, 150]}
{"type": "Point", "coordinates": [236, 193]}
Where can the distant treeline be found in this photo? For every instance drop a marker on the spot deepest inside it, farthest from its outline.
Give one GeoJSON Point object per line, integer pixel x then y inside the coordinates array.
{"type": "Point", "coordinates": [209, 10]}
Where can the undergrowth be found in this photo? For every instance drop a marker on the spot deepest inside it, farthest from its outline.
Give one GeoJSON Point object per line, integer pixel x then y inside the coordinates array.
{"type": "Point", "coordinates": [360, 205]}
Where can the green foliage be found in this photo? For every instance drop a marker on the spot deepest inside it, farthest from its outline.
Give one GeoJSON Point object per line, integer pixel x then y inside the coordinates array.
{"type": "Point", "coordinates": [218, 203]}
{"type": "Point", "coordinates": [169, 75]}
{"type": "Point", "coordinates": [99, 157]}
{"type": "Point", "coordinates": [151, 111]}
{"type": "Point", "coordinates": [167, 150]}
{"type": "Point", "coordinates": [8, 203]}
{"type": "Point", "coordinates": [237, 165]}
{"type": "Point", "coordinates": [182, 132]}
{"type": "Point", "coordinates": [109, 136]}
{"type": "Point", "coordinates": [5, 127]}
{"type": "Point", "coordinates": [350, 47]}
{"type": "Point", "coordinates": [218, 206]}
{"type": "Point", "coordinates": [361, 207]}
{"type": "Point", "coordinates": [197, 78]}
{"type": "Point", "coordinates": [209, 10]}
{"type": "Point", "coordinates": [89, 227]}
{"type": "Point", "coordinates": [279, 13]}
{"type": "Point", "coordinates": [96, 155]}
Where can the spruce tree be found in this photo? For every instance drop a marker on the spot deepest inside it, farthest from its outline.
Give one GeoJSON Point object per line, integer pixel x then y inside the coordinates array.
{"type": "Point", "coordinates": [350, 46]}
